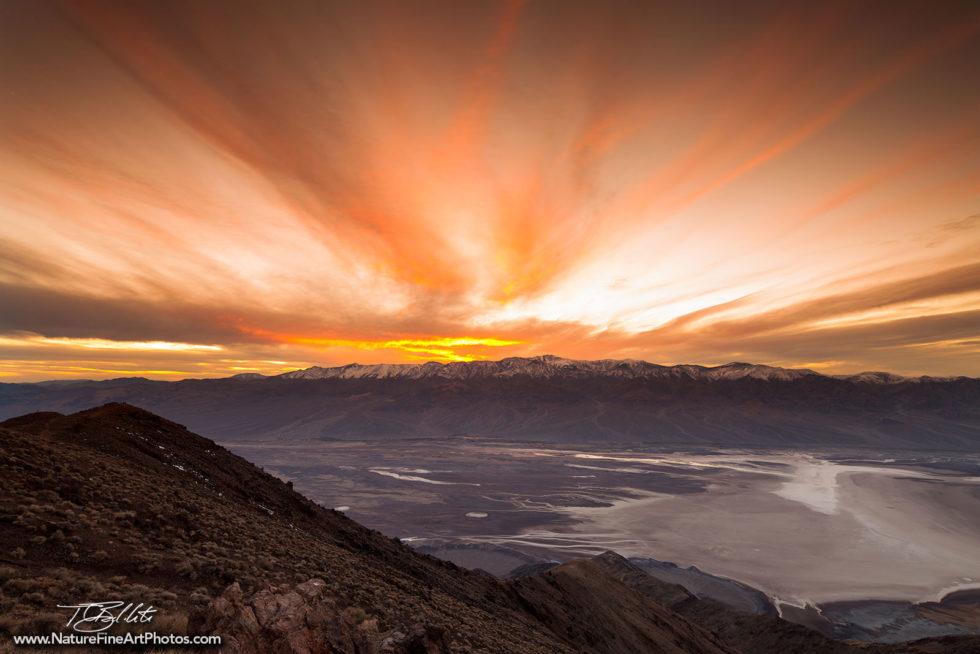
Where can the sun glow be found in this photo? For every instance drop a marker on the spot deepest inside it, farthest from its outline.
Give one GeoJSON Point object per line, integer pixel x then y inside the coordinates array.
{"type": "Point", "coordinates": [435, 349]}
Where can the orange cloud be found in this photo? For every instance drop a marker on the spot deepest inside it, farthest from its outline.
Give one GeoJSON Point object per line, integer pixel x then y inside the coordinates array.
{"type": "Point", "coordinates": [376, 179]}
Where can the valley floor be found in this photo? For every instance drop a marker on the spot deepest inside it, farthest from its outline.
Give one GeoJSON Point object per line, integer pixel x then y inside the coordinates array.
{"type": "Point", "coordinates": [805, 528]}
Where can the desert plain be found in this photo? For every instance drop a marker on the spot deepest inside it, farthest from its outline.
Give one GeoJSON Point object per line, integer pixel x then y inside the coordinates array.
{"type": "Point", "coordinates": [803, 527]}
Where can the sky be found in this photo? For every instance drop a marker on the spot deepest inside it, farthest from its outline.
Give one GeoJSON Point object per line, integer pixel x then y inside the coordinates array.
{"type": "Point", "coordinates": [199, 189]}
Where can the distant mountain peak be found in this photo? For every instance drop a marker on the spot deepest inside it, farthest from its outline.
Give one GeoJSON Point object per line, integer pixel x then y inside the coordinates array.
{"type": "Point", "coordinates": [248, 375]}
{"type": "Point", "coordinates": [874, 377]}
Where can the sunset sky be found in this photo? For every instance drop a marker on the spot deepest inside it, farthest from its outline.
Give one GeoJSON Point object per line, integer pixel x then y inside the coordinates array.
{"type": "Point", "coordinates": [197, 189]}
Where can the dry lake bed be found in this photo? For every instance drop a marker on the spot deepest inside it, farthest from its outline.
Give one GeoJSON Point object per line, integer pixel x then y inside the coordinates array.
{"type": "Point", "coordinates": [806, 528]}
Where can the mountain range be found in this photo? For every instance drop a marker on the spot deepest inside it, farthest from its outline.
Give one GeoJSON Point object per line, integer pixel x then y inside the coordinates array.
{"type": "Point", "coordinates": [552, 400]}
{"type": "Point", "coordinates": [551, 367]}
{"type": "Point", "coordinates": [116, 503]}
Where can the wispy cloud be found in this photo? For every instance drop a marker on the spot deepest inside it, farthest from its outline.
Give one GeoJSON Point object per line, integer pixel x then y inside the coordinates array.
{"type": "Point", "coordinates": [325, 182]}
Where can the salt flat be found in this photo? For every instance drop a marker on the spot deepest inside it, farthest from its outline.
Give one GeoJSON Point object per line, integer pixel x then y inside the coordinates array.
{"type": "Point", "coordinates": [803, 527]}
{"type": "Point", "coordinates": [822, 532]}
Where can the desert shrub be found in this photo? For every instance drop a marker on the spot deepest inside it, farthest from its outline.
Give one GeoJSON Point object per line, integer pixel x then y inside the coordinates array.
{"type": "Point", "coordinates": [161, 596]}
{"type": "Point", "coordinates": [46, 622]}
{"type": "Point", "coordinates": [20, 586]}
{"type": "Point", "coordinates": [82, 586]}
{"type": "Point", "coordinates": [25, 518]}
{"type": "Point", "coordinates": [200, 597]}
{"type": "Point", "coordinates": [146, 563]}
{"type": "Point", "coordinates": [355, 614]}
{"type": "Point", "coordinates": [170, 623]}
{"type": "Point", "coordinates": [9, 624]}
{"type": "Point", "coordinates": [124, 516]}
{"type": "Point", "coordinates": [186, 568]}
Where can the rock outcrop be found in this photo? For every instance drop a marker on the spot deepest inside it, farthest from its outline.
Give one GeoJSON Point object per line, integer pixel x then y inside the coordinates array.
{"type": "Point", "coordinates": [306, 620]}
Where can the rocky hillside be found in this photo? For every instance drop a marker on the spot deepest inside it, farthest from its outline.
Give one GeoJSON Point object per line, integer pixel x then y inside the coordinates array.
{"type": "Point", "coordinates": [118, 503]}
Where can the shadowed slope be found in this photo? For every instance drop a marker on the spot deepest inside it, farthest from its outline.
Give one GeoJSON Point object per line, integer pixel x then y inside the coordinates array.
{"type": "Point", "coordinates": [746, 632]}
{"type": "Point", "coordinates": [116, 502]}
{"type": "Point", "coordinates": [580, 599]}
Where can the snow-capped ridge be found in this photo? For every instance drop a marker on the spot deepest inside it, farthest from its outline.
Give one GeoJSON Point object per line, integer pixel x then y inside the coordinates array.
{"type": "Point", "coordinates": [548, 366]}
{"type": "Point", "coordinates": [739, 370]}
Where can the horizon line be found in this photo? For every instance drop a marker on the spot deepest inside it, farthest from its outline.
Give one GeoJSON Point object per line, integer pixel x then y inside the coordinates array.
{"type": "Point", "coordinates": [136, 374]}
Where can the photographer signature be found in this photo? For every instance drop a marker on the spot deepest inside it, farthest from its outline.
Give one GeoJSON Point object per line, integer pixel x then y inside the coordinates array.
{"type": "Point", "coordinates": [92, 617]}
